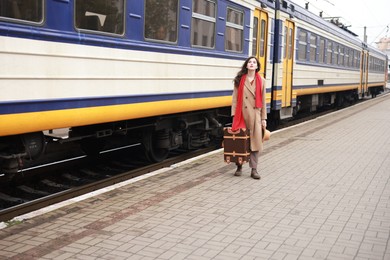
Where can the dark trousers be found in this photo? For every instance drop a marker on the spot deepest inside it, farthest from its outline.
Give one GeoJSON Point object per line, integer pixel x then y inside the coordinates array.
{"type": "Point", "coordinates": [254, 159]}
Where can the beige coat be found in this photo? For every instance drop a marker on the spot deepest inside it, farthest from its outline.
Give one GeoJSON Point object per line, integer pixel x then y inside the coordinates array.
{"type": "Point", "coordinates": [252, 115]}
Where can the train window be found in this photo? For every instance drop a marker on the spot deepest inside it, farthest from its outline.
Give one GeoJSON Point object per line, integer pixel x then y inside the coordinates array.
{"type": "Point", "coordinates": [234, 33]}
{"type": "Point", "coordinates": [370, 63]}
{"type": "Point", "coordinates": [263, 30]}
{"type": "Point", "coordinates": [341, 55]}
{"type": "Point", "coordinates": [329, 52]}
{"type": "Point", "coordinates": [288, 34]}
{"type": "Point", "coordinates": [259, 40]}
{"type": "Point", "coordinates": [31, 11]}
{"type": "Point", "coordinates": [203, 23]}
{"type": "Point", "coordinates": [378, 65]}
{"type": "Point", "coordinates": [100, 15]}
{"type": "Point", "coordinates": [161, 20]}
{"type": "Point", "coordinates": [290, 43]}
{"type": "Point", "coordinates": [321, 56]}
{"type": "Point", "coordinates": [350, 60]}
{"type": "Point", "coordinates": [313, 47]}
{"type": "Point", "coordinates": [254, 39]}
{"type": "Point", "coordinates": [353, 58]}
{"type": "Point", "coordinates": [347, 56]}
{"type": "Point", "coordinates": [302, 37]}
{"type": "Point", "coordinates": [336, 54]}
{"type": "Point", "coordinates": [358, 54]}
{"type": "Point", "coordinates": [285, 42]}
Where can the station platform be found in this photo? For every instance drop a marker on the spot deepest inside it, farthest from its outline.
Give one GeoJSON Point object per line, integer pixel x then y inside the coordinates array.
{"type": "Point", "coordinates": [324, 193]}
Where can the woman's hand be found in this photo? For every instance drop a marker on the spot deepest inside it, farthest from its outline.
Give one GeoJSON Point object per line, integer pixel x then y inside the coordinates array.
{"type": "Point", "coordinates": [264, 123]}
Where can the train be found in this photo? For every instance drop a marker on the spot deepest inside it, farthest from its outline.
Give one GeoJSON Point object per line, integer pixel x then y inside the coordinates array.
{"type": "Point", "coordinates": [160, 73]}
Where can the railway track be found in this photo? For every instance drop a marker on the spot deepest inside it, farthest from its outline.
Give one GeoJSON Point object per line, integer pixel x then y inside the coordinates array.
{"type": "Point", "coordinates": [75, 179]}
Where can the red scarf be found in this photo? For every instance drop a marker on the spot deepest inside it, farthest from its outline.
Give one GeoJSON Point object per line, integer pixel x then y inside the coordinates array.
{"type": "Point", "coordinates": [238, 120]}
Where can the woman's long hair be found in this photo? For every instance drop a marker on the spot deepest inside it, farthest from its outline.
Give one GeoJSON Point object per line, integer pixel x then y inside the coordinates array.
{"type": "Point", "coordinates": [244, 70]}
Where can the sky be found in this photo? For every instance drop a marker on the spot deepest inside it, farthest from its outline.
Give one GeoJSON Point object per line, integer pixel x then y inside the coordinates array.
{"type": "Point", "coordinates": [374, 14]}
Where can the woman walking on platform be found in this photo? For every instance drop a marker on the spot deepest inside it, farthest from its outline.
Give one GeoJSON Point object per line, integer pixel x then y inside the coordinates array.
{"type": "Point", "coordinates": [249, 109]}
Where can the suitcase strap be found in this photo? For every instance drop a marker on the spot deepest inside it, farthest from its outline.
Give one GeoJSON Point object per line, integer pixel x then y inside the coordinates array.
{"type": "Point", "coordinates": [236, 137]}
{"type": "Point", "coordinates": [236, 154]}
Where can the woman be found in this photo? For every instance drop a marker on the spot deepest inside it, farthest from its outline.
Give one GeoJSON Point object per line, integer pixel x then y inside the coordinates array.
{"type": "Point", "coordinates": [249, 109]}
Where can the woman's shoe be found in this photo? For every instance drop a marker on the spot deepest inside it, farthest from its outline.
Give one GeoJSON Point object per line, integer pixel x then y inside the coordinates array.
{"type": "Point", "coordinates": [238, 171]}
{"type": "Point", "coordinates": [255, 174]}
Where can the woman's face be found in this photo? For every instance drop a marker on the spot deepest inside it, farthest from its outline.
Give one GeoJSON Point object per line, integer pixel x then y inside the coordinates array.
{"type": "Point", "coordinates": [252, 64]}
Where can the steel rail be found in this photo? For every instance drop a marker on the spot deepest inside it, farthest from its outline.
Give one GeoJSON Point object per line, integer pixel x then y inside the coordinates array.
{"type": "Point", "coordinates": [12, 212]}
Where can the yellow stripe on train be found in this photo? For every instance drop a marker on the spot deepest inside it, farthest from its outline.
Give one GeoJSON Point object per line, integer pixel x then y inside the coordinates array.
{"type": "Point", "coordinates": [319, 89]}
{"type": "Point", "coordinates": [12, 124]}
{"type": "Point", "coordinates": [315, 90]}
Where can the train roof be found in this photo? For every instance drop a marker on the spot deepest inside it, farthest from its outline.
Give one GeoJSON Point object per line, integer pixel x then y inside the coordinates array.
{"type": "Point", "coordinates": [376, 51]}
{"type": "Point", "coordinates": [294, 10]}
{"type": "Point", "coordinates": [267, 3]}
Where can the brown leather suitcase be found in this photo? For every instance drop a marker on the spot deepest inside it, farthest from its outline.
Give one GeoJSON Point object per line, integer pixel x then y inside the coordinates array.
{"type": "Point", "coordinates": [236, 145]}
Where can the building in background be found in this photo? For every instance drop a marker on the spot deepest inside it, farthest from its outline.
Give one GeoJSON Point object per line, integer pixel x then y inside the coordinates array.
{"type": "Point", "coordinates": [384, 45]}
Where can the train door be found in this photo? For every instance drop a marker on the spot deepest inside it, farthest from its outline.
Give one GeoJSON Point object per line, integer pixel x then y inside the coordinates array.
{"type": "Point", "coordinates": [259, 43]}
{"type": "Point", "coordinates": [288, 55]}
{"type": "Point", "coordinates": [364, 73]}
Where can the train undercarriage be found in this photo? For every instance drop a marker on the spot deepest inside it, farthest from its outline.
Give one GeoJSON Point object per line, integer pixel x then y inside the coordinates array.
{"type": "Point", "coordinates": [320, 102]}
{"type": "Point", "coordinates": [312, 103]}
{"type": "Point", "coordinates": [158, 136]}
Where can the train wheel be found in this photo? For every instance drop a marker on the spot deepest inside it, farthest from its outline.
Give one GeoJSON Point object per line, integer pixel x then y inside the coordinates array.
{"type": "Point", "coordinates": [34, 144]}
{"type": "Point", "coordinates": [10, 167]}
{"type": "Point", "coordinates": [156, 146]}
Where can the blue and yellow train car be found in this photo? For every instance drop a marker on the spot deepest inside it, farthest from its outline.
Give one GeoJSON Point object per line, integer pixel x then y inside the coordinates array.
{"type": "Point", "coordinates": [161, 72]}
{"type": "Point", "coordinates": [320, 63]}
